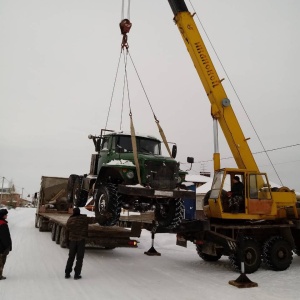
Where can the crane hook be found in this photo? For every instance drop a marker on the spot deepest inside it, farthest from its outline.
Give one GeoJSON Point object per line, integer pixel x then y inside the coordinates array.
{"type": "Point", "coordinates": [125, 26]}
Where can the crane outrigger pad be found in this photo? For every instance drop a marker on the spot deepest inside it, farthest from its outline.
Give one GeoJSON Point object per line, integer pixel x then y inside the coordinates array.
{"type": "Point", "coordinates": [243, 282]}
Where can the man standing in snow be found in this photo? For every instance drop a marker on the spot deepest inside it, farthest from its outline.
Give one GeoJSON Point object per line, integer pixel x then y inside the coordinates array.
{"type": "Point", "coordinates": [5, 241]}
{"type": "Point", "coordinates": [77, 231]}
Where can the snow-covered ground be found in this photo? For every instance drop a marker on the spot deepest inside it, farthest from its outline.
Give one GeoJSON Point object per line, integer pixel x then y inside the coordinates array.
{"type": "Point", "coordinates": [35, 270]}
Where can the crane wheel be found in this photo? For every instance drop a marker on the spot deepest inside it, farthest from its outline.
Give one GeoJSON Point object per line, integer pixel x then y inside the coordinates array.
{"type": "Point", "coordinates": [277, 253]}
{"type": "Point", "coordinates": [252, 256]}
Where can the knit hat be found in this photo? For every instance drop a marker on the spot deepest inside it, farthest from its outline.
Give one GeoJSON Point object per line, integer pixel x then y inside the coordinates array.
{"type": "Point", "coordinates": [76, 211]}
{"type": "Point", "coordinates": [3, 212]}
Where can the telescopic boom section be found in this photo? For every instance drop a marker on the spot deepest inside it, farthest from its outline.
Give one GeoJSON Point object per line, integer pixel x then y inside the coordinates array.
{"type": "Point", "coordinates": [220, 105]}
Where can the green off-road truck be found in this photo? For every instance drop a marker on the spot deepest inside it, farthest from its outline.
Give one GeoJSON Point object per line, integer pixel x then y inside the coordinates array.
{"type": "Point", "coordinates": [114, 183]}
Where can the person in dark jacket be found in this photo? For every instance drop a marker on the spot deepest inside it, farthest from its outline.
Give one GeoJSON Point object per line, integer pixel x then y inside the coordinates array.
{"type": "Point", "coordinates": [77, 231]}
{"type": "Point", "coordinates": [5, 241]}
{"type": "Point", "coordinates": [237, 195]}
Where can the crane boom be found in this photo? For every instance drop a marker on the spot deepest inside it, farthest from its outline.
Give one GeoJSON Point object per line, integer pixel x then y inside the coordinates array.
{"type": "Point", "coordinates": [221, 109]}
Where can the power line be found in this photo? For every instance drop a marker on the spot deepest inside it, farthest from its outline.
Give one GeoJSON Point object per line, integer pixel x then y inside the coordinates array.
{"type": "Point", "coordinates": [258, 152]}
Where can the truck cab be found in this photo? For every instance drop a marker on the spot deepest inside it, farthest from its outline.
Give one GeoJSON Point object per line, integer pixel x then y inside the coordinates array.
{"type": "Point", "coordinates": [131, 173]}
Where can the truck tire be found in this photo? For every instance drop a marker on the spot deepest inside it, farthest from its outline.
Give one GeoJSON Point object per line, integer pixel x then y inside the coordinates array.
{"type": "Point", "coordinates": [169, 215]}
{"type": "Point", "coordinates": [252, 256]}
{"type": "Point", "coordinates": [53, 231]}
{"type": "Point", "coordinates": [57, 234]}
{"type": "Point", "coordinates": [108, 201]}
{"type": "Point", "coordinates": [70, 187]}
{"type": "Point", "coordinates": [79, 196]}
{"type": "Point", "coordinates": [207, 257]}
{"type": "Point", "coordinates": [277, 253]}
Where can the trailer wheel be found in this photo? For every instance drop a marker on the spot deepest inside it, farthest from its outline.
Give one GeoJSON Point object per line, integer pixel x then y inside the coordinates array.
{"type": "Point", "coordinates": [42, 224]}
{"type": "Point", "coordinates": [108, 201]}
{"type": "Point", "coordinates": [252, 256]}
{"type": "Point", "coordinates": [170, 214]}
{"type": "Point", "coordinates": [79, 196]}
{"type": "Point", "coordinates": [277, 253]}
{"type": "Point", "coordinates": [70, 187]}
{"type": "Point", "coordinates": [57, 234]}
{"type": "Point", "coordinates": [62, 238]}
{"type": "Point", "coordinates": [208, 257]}
{"type": "Point", "coordinates": [53, 231]}
{"type": "Point", "coordinates": [36, 223]}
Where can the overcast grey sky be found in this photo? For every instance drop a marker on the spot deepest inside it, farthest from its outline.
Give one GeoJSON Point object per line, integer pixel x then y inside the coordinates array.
{"type": "Point", "coordinates": [58, 61]}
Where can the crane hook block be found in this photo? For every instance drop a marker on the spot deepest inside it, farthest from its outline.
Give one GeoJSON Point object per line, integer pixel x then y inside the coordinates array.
{"type": "Point", "coordinates": [125, 26]}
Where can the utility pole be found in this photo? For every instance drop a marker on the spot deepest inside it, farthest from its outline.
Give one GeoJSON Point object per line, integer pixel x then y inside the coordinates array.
{"type": "Point", "coordinates": [2, 188]}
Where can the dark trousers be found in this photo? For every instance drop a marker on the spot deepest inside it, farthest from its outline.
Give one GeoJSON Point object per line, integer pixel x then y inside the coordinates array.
{"type": "Point", "coordinates": [76, 249]}
{"type": "Point", "coordinates": [2, 262]}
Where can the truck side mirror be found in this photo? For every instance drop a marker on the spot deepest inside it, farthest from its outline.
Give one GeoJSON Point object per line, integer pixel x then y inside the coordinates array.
{"type": "Point", "coordinates": [174, 151]}
{"type": "Point", "coordinates": [190, 160]}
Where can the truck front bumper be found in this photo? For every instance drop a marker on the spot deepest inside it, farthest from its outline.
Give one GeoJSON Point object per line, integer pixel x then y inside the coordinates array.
{"type": "Point", "coordinates": [153, 193]}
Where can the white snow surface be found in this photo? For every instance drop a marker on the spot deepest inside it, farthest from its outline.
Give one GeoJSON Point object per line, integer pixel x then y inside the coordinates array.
{"type": "Point", "coordinates": [35, 270]}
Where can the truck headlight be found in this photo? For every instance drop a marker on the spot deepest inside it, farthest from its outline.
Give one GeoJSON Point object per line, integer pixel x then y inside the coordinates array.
{"type": "Point", "coordinates": [178, 179]}
{"type": "Point", "coordinates": [130, 174]}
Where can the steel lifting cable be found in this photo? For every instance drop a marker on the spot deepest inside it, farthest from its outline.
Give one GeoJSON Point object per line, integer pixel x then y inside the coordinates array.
{"type": "Point", "coordinates": [132, 129]}
{"type": "Point", "coordinates": [162, 134]}
{"type": "Point", "coordinates": [125, 26]}
{"type": "Point", "coordinates": [112, 94]}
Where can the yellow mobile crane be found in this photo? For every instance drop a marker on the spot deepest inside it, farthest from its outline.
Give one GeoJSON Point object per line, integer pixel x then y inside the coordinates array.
{"type": "Point", "coordinates": [257, 200]}
{"type": "Point", "coordinates": [264, 224]}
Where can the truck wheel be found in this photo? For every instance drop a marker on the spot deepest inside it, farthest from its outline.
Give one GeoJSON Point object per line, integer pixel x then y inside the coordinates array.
{"type": "Point", "coordinates": [70, 187]}
{"type": "Point", "coordinates": [170, 214]}
{"type": "Point", "coordinates": [57, 234]}
{"type": "Point", "coordinates": [208, 257]}
{"type": "Point", "coordinates": [108, 201]}
{"type": "Point", "coordinates": [252, 256]}
{"type": "Point", "coordinates": [79, 196]}
{"type": "Point", "coordinates": [53, 231]}
{"type": "Point", "coordinates": [277, 253]}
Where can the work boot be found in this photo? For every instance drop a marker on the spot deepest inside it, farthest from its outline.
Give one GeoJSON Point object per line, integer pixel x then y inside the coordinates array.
{"type": "Point", "coordinates": [77, 277]}
{"type": "Point", "coordinates": [2, 278]}
{"type": "Point", "coordinates": [67, 275]}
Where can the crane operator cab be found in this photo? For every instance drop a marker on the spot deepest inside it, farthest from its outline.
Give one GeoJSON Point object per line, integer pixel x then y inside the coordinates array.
{"type": "Point", "coordinates": [243, 194]}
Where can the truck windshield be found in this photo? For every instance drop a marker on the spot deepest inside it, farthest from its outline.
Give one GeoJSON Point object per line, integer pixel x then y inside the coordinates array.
{"type": "Point", "coordinates": [144, 145]}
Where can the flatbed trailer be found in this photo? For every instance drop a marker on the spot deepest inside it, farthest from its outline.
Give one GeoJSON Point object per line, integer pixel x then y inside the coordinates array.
{"type": "Point", "coordinates": [107, 237]}
{"type": "Point", "coordinates": [53, 211]}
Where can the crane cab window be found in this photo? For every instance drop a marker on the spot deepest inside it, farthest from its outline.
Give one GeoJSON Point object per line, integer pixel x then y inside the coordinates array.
{"type": "Point", "coordinates": [259, 187]}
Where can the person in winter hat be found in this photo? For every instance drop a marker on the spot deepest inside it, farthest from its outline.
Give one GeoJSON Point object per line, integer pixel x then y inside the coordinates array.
{"type": "Point", "coordinates": [5, 241]}
{"type": "Point", "coordinates": [77, 231]}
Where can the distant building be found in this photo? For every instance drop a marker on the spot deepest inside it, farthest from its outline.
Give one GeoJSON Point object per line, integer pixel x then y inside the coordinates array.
{"type": "Point", "coordinates": [12, 199]}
